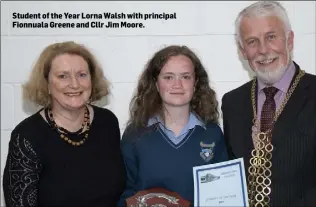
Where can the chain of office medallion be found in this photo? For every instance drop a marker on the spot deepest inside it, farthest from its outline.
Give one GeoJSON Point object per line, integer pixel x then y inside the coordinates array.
{"type": "Point", "coordinates": [260, 163]}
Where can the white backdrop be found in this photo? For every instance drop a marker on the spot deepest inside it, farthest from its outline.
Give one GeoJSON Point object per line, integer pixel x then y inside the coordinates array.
{"type": "Point", "coordinates": [206, 27]}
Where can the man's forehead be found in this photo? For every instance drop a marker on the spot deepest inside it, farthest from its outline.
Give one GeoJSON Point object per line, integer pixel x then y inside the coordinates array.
{"type": "Point", "coordinates": [260, 21]}
{"type": "Point", "coordinates": [260, 25]}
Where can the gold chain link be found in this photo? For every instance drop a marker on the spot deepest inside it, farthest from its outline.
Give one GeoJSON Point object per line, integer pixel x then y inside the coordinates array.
{"type": "Point", "coordinates": [288, 95]}
{"type": "Point", "coordinates": [259, 182]}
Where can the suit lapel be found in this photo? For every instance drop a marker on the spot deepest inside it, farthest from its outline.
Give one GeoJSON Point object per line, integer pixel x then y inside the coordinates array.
{"type": "Point", "coordinates": [247, 119]}
{"type": "Point", "coordinates": [291, 109]}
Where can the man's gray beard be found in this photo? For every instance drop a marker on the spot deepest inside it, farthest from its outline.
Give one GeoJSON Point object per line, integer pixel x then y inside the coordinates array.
{"type": "Point", "coordinates": [270, 77]}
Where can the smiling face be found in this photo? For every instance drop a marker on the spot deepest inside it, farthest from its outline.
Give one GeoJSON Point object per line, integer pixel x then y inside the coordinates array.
{"type": "Point", "coordinates": [69, 82]}
{"type": "Point", "coordinates": [266, 46]}
{"type": "Point", "coordinates": [176, 81]}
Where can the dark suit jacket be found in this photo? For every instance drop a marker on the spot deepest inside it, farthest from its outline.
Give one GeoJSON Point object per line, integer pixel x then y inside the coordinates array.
{"type": "Point", "coordinates": [293, 138]}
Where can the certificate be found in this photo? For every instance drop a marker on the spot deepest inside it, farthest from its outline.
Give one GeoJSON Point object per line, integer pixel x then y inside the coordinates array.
{"type": "Point", "coordinates": [220, 184]}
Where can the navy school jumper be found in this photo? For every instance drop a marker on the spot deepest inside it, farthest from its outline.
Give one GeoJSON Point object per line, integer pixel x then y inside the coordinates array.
{"type": "Point", "coordinates": [152, 160]}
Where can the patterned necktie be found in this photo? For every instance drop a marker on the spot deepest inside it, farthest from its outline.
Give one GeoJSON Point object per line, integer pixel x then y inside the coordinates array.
{"type": "Point", "coordinates": [268, 108]}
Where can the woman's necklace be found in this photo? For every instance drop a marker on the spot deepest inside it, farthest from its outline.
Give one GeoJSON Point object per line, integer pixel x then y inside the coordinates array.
{"type": "Point", "coordinates": [64, 134]}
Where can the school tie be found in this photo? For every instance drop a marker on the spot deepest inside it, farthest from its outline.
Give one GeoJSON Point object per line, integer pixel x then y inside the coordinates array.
{"type": "Point", "coordinates": [268, 108]}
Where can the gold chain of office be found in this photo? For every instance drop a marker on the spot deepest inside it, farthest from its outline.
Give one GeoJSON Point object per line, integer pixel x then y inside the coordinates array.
{"type": "Point", "coordinates": [259, 181]}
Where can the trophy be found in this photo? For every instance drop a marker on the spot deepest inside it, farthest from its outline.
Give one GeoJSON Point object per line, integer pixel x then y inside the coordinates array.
{"type": "Point", "coordinates": [156, 197]}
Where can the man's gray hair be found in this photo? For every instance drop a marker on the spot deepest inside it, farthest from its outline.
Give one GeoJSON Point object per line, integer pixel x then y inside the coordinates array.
{"type": "Point", "coordinates": [260, 9]}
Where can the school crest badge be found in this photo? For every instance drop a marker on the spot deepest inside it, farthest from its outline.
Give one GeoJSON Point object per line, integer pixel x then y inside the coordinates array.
{"type": "Point", "coordinates": [207, 151]}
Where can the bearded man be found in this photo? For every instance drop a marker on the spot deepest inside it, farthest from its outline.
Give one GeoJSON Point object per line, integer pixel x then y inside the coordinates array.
{"type": "Point", "coordinates": [271, 120]}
